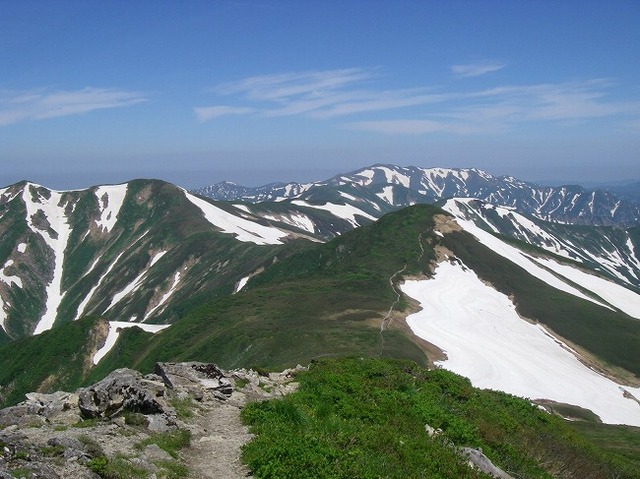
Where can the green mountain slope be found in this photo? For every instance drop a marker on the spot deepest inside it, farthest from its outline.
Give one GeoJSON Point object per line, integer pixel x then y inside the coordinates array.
{"type": "Point", "coordinates": [126, 252]}
{"type": "Point", "coordinates": [366, 418]}
{"type": "Point", "coordinates": [327, 301]}
{"type": "Point", "coordinates": [339, 298]}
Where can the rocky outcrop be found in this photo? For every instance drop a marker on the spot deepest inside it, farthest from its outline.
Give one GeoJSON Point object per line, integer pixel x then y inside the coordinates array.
{"type": "Point", "coordinates": [474, 457]}
{"type": "Point", "coordinates": [118, 422]}
{"type": "Point", "coordinates": [123, 389]}
{"type": "Point", "coordinates": [194, 378]}
{"type": "Point", "coordinates": [477, 459]}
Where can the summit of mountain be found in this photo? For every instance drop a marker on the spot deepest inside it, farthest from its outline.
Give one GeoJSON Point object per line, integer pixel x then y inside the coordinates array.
{"type": "Point", "coordinates": [402, 186]}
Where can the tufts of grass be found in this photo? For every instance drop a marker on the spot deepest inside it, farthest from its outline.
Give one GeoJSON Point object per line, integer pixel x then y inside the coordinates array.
{"type": "Point", "coordinates": [359, 417]}
{"type": "Point", "coordinates": [170, 442]}
{"type": "Point", "coordinates": [184, 407]}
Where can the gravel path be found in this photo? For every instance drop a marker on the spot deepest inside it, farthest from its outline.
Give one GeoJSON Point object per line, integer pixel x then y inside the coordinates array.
{"type": "Point", "coordinates": [217, 438]}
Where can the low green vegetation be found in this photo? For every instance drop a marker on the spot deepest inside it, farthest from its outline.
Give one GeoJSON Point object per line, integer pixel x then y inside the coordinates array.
{"type": "Point", "coordinates": [622, 441]}
{"type": "Point", "coordinates": [170, 442]}
{"type": "Point", "coordinates": [325, 301]}
{"type": "Point", "coordinates": [366, 418]}
{"type": "Point", "coordinates": [184, 407]}
{"type": "Point", "coordinates": [53, 360]}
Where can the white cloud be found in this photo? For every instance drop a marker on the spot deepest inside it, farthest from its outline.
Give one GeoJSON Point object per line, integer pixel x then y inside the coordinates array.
{"type": "Point", "coordinates": [40, 105]}
{"type": "Point", "coordinates": [285, 86]}
{"type": "Point", "coordinates": [355, 93]}
{"type": "Point", "coordinates": [476, 69]}
{"type": "Point", "coordinates": [413, 127]}
{"type": "Point", "coordinates": [207, 113]}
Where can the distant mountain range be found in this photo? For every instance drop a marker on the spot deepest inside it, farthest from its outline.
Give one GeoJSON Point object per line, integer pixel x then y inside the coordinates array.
{"type": "Point", "coordinates": [402, 186]}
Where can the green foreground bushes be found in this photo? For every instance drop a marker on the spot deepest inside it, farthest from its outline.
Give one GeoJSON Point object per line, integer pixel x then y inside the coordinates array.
{"type": "Point", "coordinates": [365, 418]}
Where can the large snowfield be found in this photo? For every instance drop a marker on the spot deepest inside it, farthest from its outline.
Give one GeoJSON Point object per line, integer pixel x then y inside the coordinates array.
{"type": "Point", "coordinates": [486, 341]}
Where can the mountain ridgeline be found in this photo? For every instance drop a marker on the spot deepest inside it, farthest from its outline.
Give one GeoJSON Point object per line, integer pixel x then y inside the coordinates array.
{"type": "Point", "coordinates": [126, 252]}
{"type": "Point", "coordinates": [277, 283]}
{"type": "Point", "coordinates": [402, 186]}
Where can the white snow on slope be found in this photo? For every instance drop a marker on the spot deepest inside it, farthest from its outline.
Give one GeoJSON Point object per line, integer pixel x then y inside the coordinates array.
{"type": "Point", "coordinates": [165, 296]}
{"type": "Point", "coordinates": [135, 284]}
{"type": "Point", "coordinates": [513, 254]}
{"type": "Point", "coordinates": [244, 208]}
{"type": "Point", "coordinates": [394, 177]}
{"type": "Point", "coordinates": [110, 199]}
{"type": "Point", "coordinates": [528, 228]}
{"type": "Point", "coordinates": [55, 215]}
{"type": "Point", "coordinates": [298, 220]}
{"type": "Point", "coordinates": [245, 230]}
{"type": "Point", "coordinates": [241, 284]}
{"type": "Point", "coordinates": [386, 194]}
{"type": "Point", "coordinates": [348, 196]}
{"type": "Point", "coordinates": [3, 315]}
{"type": "Point", "coordinates": [622, 298]}
{"type": "Point", "coordinates": [486, 341]}
{"type": "Point", "coordinates": [346, 212]}
{"type": "Point", "coordinates": [114, 332]}
{"type": "Point", "coordinates": [10, 280]}
{"type": "Point", "coordinates": [87, 298]}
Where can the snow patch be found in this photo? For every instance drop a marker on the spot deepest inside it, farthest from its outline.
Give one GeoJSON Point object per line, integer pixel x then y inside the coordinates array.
{"type": "Point", "coordinates": [618, 296]}
{"type": "Point", "coordinates": [135, 284]}
{"type": "Point", "coordinates": [241, 284]}
{"type": "Point", "coordinates": [346, 212]}
{"type": "Point", "coordinates": [165, 296]}
{"type": "Point", "coordinates": [513, 254]}
{"type": "Point", "coordinates": [386, 194]}
{"type": "Point", "coordinates": [244, 208]}
{"type": "Point", "coordinates": [3, 315]}
{"type": "Point", "coordinates": [244, 230]}
{"type": "Point", "coordinates": [110, 199]}
{"type": "Point", "coordinates": [298, 220]}
{"type": "Point", "coordinates": [10, 280]}
{"type": "Point", "coordinates": [486, 340]}
{"type": "Point", "coordinates": [87, 298]}
{"type": "Point", "coordinates": [348, 196]}
{"type": "Point", "coordinates": [115, 327]}
{"type": "Point", "coordinates": [56, 236]}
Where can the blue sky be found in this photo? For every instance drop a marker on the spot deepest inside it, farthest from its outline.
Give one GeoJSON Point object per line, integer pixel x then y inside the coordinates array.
{"type": "Point", "coordinates": [257, 91]}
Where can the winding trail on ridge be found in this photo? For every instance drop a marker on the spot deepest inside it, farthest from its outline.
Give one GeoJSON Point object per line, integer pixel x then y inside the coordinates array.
{"type": "Point", "coordinates": [386, 321]}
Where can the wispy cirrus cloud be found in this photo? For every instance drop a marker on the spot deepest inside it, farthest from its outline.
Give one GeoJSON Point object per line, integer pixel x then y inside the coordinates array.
{"type": "Point", "coordinates": [212, 112]}
{"type": "Point", "coordinates": [476, 69]}
{"type": "Point", "coordinates": [317, 94]}
{"type": "Point", "coordinates": [354, 95]}
{"type": "Point", "coordinates": [19, 106]}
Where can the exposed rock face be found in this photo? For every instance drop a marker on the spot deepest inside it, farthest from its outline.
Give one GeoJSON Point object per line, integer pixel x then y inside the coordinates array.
{"type": "Point", "coordinates": [477, 459]}
{"type": "Point", "coordinates": [38, 408]}
{"type": "Point", "coordinates": [46, 435]}
{"type": "Point", "coordinates": [123, 389]}
{"type": "Point", "coordinates": [194, 378]}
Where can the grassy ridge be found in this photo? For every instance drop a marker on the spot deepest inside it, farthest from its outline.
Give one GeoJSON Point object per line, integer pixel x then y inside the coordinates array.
{"type": "Point", "coordinates": [366, 418]}
{"type": "Point", "coordinates": [613, 337]}
{"type": "Point", "coordinates": [53, 360]}
{"type": "Point", "coordinates": [325, 301]}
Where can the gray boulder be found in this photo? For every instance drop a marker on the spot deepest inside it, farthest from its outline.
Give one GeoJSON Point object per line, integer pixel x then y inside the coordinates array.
{"type": "Point", "coordinates": [123, 389]}
{"type": "Point", "coordinates": [477, 459]}
{"type": "Point", "coordinates": [195, 378]}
